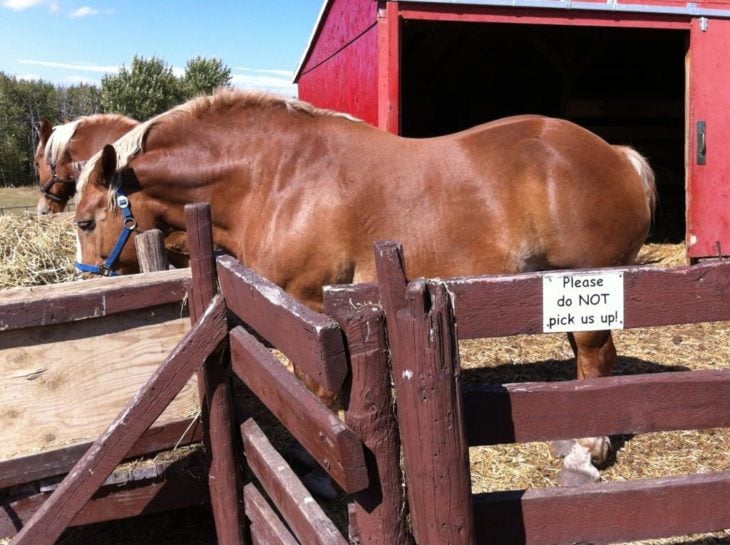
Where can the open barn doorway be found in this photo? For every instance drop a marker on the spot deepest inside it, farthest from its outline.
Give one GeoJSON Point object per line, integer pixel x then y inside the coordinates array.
{"type": "Point", "coordinates": [625, 84]}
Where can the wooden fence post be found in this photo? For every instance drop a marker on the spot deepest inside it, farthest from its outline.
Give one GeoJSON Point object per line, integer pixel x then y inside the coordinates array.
{"type": "Point", "coordinates": [426, 374]}
{"type": "Point", "coordinates": [215, 389]}
{"type": "Point", "coordinates": [151, 252]}
{"type": "Point", "coordinates": [376, 516]}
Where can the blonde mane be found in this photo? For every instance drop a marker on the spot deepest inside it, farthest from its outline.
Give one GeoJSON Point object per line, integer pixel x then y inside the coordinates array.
{"type": "Point", "coordinates": [59, 141]}
{"type": "Point", "coordinates": [132, 143]}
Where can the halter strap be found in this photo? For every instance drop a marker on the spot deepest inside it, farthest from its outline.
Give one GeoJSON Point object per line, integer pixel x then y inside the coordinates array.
{"type": "Point", "coordinates": [130, 224]}
{"type": "Point", "coordinates": [46, 189]}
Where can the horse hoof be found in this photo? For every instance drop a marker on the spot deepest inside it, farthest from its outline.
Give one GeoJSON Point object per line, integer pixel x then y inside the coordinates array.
{"type": "Point", "coordinates": [319, 484]}
{"type": "Point", "coordinates": [561, 448]}
{"type": "Point", "coordinates": [577, 468]}
{"type": "Point", "coordinates": [577, 476]}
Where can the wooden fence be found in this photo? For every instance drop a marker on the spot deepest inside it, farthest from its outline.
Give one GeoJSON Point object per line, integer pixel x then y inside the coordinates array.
{"type": "Point", "coordinates": [347, 350]}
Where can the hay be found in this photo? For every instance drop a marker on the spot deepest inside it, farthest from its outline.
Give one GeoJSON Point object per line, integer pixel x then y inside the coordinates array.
{"type": "Point", "coordinates": [36, 250]}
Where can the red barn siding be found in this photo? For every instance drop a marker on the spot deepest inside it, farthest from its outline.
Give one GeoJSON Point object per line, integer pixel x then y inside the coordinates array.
{"type": "Point", "coordinates": [708, 185]}
{"type": "Point", "coordinates": [340, 72]}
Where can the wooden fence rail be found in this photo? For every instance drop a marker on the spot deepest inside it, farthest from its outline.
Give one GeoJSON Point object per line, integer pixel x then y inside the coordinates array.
{"type": "Point", "coordinates": [404, 336]}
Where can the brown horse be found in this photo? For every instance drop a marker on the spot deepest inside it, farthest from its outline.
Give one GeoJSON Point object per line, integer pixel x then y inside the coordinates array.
{"type": "Point", "coordinates": [300, 195]}
{"type": "Point", "coordinates": [62, 151]}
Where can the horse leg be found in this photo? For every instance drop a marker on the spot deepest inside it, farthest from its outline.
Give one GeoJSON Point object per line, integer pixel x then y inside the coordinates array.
{"type": "Point", "coordinates": [595, 355]}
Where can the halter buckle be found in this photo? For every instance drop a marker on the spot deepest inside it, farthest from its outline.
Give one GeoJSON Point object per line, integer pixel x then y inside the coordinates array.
{"type": "Point", "coordinates": [122, 201]}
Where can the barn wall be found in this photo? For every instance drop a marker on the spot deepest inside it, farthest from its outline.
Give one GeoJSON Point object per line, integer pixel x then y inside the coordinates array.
{"type": "Point", "coordinates": [341, 71]}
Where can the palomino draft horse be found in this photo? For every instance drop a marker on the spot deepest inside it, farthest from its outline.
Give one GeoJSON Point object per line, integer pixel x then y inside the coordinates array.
{"type": "Point", "coordinates": [62, 150]}
{"type": "Point", "coordinates": [300, 194]}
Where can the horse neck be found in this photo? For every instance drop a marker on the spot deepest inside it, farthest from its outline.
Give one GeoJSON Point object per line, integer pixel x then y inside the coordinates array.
{"type": "Point", "coordinates": [93, 134]}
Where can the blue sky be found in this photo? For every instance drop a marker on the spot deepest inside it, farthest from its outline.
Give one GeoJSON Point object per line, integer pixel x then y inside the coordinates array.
{"type": "Point", "coordinates": [70, 41]}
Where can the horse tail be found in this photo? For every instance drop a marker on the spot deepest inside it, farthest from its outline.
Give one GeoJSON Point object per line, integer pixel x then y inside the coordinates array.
{"type": "Point", "coordinates": [648, 181]}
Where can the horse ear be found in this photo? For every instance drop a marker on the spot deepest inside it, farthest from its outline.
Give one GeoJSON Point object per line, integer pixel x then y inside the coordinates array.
{"type": "Point", "coordinates": [109, 161]}
{"type": "Point", "coordinates": [106, 165]}
{"type": "Point", "coordinates": [45, 130]}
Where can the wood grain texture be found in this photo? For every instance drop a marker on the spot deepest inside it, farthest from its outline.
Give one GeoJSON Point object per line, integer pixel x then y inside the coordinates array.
{"type": "Point", "coordinates": [175, 491]}
{"type": "Point", "coordinates": [496, 306]}
{"type": "Point", "coordinates": [302, 513]}
{"type": "Point", "coordinates": [312, 341]}
{"type": "Point", "coordinates": [335, 446]}
{"type": "Point", "coordinates": [547, 410]}
{"type": "Point", "coordinates": [266, 526]}
{"type": "Point", "coordinates": [502, 305]}
{"type": "Point", "coordinates": [624, 511]}
{"type": "Point", "coordinates": [427, 382]}
{"type": "Point", "coordinates": [223, 475]}
{"type": "Point", "coordinates": [62, 384]}
{"type": "Point", "coordinates": [99, 461]}
{"type": "Point", "coordinates": [25, 469]}
{"type": "Point", "coordinates": [426, 375]}
{"type": "Point", "coordinates": [376, 512]}
{"type": "Point", "coordinates": [59, 303]}
{"type": "Point", "coordinates": [151, 254]}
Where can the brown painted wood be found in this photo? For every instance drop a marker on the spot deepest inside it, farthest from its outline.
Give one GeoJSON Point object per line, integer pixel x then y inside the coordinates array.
{"type": "Point", "coordinates": [496, 306]}
{"type": "Point", "coordinates": [151, 254]}
{"type": "Point", "coordinates": [351, 295]}
{"type": "Point", "coordinates": [425, 361]}
{"type": "Point", "coordinates": [223, 474]}
{"type": "Point", "coordinates": [25, 469]}
{"type": "Point", "coordinates": [606, 512]}
{"type": "Point", "coordinates": [200, 245]}
{"type": "Point", "coordinates": [427, 382]}
{"type": "Point", "coordinates": [99, 461]}
{"type": "Point", "coordinates": [547, 410]}
{"type": "Point", "coordinates": [59, 303]}
{"type": "Point", "coordinates": [335, 446]}
{"type": "Point", "coordinates": [177, 490]}
{"type": "Point", "coordinates": [376, 514]}
{"type": "Point", "coordinates": [303, 515]}
{"type": "Point", "coordinates": [266, 526]}
{"type": "Point", "coordinates": [508, 305]}
{"type": "Point", "coordinates": [312, 341]}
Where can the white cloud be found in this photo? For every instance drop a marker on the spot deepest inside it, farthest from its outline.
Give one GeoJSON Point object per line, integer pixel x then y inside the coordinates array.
{"type": "Point", "coordinates": [283, 73]}
{"type": "Point", "coordinates": [84, 11]}
{"type": "Point", "coordinates": [21, 4]}
{"type": "Point", "coordinates": [277, 81]}
{"type": "Point", "coordinates": [84, 67]}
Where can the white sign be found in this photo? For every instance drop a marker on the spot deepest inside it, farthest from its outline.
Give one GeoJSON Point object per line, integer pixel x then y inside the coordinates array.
{"type": "Point", "coordinates": [582, 301]}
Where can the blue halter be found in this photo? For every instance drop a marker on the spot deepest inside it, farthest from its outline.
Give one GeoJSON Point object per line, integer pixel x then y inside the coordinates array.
{"type": "Point", "coordinates": [130, 224]}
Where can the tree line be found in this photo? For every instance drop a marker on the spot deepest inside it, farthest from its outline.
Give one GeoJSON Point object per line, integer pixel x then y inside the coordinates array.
{"type": "Point", "coordinates": [144, 89]}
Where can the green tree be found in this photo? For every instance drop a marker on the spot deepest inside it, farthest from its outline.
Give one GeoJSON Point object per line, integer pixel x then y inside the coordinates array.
{"type": "Point", "coordinates": [22, 105]}
{"type": "Point", "coordinates": [146, 89]}
{"type": "Point", "coordinates": [203, 76]}
{"type": "Point", "coordinates": [78, 100]}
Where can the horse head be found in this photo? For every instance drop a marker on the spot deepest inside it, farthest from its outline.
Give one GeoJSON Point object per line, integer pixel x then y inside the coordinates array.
{"type": "Point", "coordinates": [56, 171]}
{"type": "Point", "coordinates": [109, 214]}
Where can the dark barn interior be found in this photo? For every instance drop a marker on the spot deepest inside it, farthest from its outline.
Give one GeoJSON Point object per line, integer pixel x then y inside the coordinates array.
{"type": "Point", "coordinates": [627, 85]}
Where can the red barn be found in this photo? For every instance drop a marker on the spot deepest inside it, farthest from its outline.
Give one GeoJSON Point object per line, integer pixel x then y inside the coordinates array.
{"type": "Point", "coordinates": [654, 74]}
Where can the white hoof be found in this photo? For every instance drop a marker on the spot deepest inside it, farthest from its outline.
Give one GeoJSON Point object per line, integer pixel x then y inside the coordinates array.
{"type": "Point", "coordinates": [577, 467]}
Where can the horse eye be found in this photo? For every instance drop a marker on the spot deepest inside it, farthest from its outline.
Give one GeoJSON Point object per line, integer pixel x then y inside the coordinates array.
{"type": "Point", "coordinates": [86, 225]}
